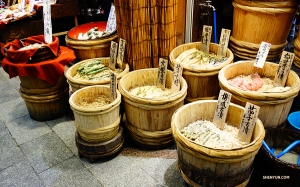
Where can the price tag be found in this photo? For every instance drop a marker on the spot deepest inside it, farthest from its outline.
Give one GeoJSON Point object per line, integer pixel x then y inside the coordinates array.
{"type": "Point", "coordinates": [206, 37]}
{"type": "Point", "coordinates": [121, 51]}
{"type": "Point", "coordinates": [284, 68]}
{"type": "Point", "coordinates": [47, 21]}
{"type": "Point", "coordinates": [223, 43]}
{"type": "Point", "coordinates": [22, 5]}
{"type": "Point", "coordinates": [113, 86]}
{"type": "Point", "coordinates": [177, 73]}
{"type": "Point", "coordinates": [162, 73]}
{"type": "Point", "coordinates": [113, 55]}
{"type": "Point", "coordinates": [248, 122]}
{"type": "Point", "coordinates": [31, 5]}
{"type": "Point", "coordinates": [111, 25]}
{"type": "Point", "coordinates": [262, 54]}
{"type": "Point", "coordinates": [222, 109]}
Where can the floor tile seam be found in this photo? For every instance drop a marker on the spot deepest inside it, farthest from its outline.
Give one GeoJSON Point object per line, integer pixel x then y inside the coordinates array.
{"type": "Point", "coordinates": [88, 169]}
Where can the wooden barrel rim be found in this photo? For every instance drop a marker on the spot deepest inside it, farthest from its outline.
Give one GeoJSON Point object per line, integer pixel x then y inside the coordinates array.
{"type": "Point", "coordinates": [253, 56]}
{"type": "Point", "coordinates": [235, 47]}
{"type": "Point", "coordinates": [268, 4]}
{"type": "Point", "coordinates": [72, 42]}
{"type": "Point", "coordinates": [264, 10]}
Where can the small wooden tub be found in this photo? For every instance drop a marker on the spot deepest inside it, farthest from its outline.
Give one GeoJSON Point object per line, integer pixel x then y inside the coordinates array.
{"type": "Point", "coordinates": [274, 107]}
{"type": "Point", "coordinates": [99, 124]}
{"type": "Point", "coordinates": [148, 121]}
{"type": "Point", "coordinates": [202, 166]}
{"type": "Point", "coordinates": [269, 165]}
{"type": "Point", "coordinates": [76, 84]}
{"type": "Point", "coordinates": [202, 81]}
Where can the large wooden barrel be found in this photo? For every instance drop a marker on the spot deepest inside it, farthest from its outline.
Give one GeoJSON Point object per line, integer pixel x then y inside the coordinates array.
{"type": "Point", "coordinates": [45, 101]}
{"type": "Point", "coordinates": [148, 121]}
{"type": "Point", "coordinates": [297, 49]}
{"type": "Point", "coordinates": [203, 166]}
{"type": "Point", "coordinates": [93, 48]}
{"type": "Point", "coordinates": [100, 123]}
{"type": "Point", "coordinates": [275, 106]}
{"type": "Point", "coordinates": [76, 84]}
{"type": "Point", "coordinates": [202, 82]}
{"type": "Point", "coordinates": [257, 21]}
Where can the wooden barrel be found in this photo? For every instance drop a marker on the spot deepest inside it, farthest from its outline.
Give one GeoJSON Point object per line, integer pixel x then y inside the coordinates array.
{"type": "Point", "coordinates": [268, 165]}
{"type": "Point", "coordinates": [202, 82]}
{"type": "Point", "coordinates": [98, 124]}
{"type": "Point", "coordinates": [274, 107]}
{"type": "Point", "coordinates": [93, 48]}
{"type": "Point", "coordinates": [297, 49]}
{"type": "Point", "coordinates": [257, 21]}
{"type": "Point", "coordinates": [202, 166]}
{"type": "Point", "coordinates": [76, 84]}
{"type": "Point", "coordinates": [148, 121]}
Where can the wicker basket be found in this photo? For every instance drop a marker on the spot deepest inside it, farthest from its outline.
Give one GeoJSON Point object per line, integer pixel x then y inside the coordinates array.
{"type": "Point", "coordinates": [98, 124]}
{"type": "Point", "coordinates": [76, 84]}
{"type": "Point", "coordinates": [202, 166]}
{"type": "Point", "coordinates": [274, 107]}
{"type": "Point", "coordinates": [149, 120]}
{"type": "Point", "coordinates": [268, 165]}
{"type": "Point", "coordinates": [257, 21]}
{"type": "Point", "coordinates": [202, 82]}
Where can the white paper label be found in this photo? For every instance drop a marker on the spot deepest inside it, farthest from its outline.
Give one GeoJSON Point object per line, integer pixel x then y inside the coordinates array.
{"type": "Point", "coordinates": [222, 109]}
{"type": "Point", "coordinates": [206, 37]}
{"type": "Point", "coordinates": [47, 21]}
{"type": "Point", "coordinates": [223, 43]}
{"type": "Point", "coordinates": [113, 55]}
{"type": "Point", "coordinates": [121, 51]}
{"type": "Point", "coordinates": [162, 73]}
{"type": "Point", "coordinates": [177, 73]}
{"type": "Point", "coordinates": [284, 68]}
{"type": "Point", "coordinates": [111, 25]}
{"type": "Point", "coordinates": [31, 5]}
{"type": "Point", "coordinates": [248, 122]}
{"type": "Point", "coordinates": [262, 54]}
{"type": "Point", "coordinates": [113, 86]}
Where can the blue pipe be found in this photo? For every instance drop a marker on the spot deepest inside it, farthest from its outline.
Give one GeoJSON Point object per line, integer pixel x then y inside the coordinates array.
{"type": "Point", "coordinates": [288, 149]}
{"type": "Point", "coordinates": [215, 27]}
{"type": "Point", "coordinates": [267, 147]}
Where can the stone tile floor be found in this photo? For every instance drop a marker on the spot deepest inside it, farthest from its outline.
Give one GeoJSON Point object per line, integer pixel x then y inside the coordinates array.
{"type": "Point", "coordinates": [38, 154]}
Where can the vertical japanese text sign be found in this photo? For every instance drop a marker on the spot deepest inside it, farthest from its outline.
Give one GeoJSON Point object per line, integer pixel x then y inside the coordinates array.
{"type": "Point", "coordinates": [248, 122]}
{"type": "Point", "coordinates": [223, 44]}
{"type": "Point", "coordinates": [113, 55]}
{"type": "Point", "coordinates": [176, 78]}
{"type": "Point", "coordinates": [47, 21]}
{"type": "Point", "coordinates": [206, 37]}
{"type": "Point", "coordinates": [284, 68]}
{"type": "Point", "coordinates": [262, 54]}
{"type": "Point", "coordinates": [113, 86]}
{"type": "Point", "coordinates": [121, 51]}
{"type": "Point", "coordinates": [222, 109]}
{"type": "Point", "coordinates": [162, 73]}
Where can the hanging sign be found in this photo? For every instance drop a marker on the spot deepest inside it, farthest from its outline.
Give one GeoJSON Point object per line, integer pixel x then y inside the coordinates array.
{"type": "Point", "coordinates": [206, 37]}
{"type": "Point", "coordinates": [47, 21]}
{"type": "Point", "coordinates": [248, 122]}
{"type": "Point", "coordinates": [177, 73]}
{"type": "Point", "coordinates": [162, 73]}
{"type": "Point", "coordinates": [222, 109]}
{"type": "Point", "coordinates": [113, 86]}
{"type": "Point", "coordinates": [121, 51]}
{"type": "Point", "coordinates": [113, 55]}
{"type": "Point", "coordinates": [283, 68]}
{"type": "Point", "coordinates": [223, 43]}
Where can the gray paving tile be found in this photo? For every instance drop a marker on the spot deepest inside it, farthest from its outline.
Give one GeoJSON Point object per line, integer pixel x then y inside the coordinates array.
{"type": "Point", "coordinates": [25, 129]}
{"type": "Point", "coordinates": [10, 153]}
{"type": "Point", "coordinates": [122, 171]}
{"type": "Point", "coordinates": [15, 82]}
{"type": "Point", "coordinates": [3, 129]}
{"type": "Point", "coordinates": [20, 175]}
{"type": "Point", "coordinates": [163, 170]}
{"type": "Point", "coordinates": [69, 173]}
{"type": "Point", "coordinates": [46, 151]}
{"type": "Point", "coordinates": [8, 92]}
{"type": "Point", "coordinates": [13, 109]}
{"type": "Point", "coordinates": [3, 75]}
{"type": "Point", "coordinates": [64, 127]}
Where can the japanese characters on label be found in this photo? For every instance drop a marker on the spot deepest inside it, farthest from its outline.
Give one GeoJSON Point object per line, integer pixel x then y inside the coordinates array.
{"type": "Point", "coordinates": [262, 54]}
{"type": "Point", "coordinates": [113, 54]}
{"type": "Point", "coordinates": [121, 51]}
{"type": "Point", "coordinates": [248, 122]}
{"type": "Point", "coordinates": [162, 73]}
{"type": "Point", "coordinates": [223, 43]}
{"type": "Point", "coordinates": [284, 68]}
{"type": "Point", "coordinates": [177, 73]}
{"type": "Point", "coordinates": [222, 109]}
{"type": "Point", "coordinates": [113, 86]}
{"type": "Point", "coordinates": [206, 37]}
{"type": "Point", "coordinates": [47, 21]}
